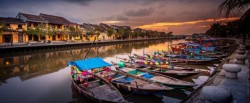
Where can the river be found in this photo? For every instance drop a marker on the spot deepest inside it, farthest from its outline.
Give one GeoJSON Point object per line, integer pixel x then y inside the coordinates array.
{"type": "Point", "coordinates": [44, 76]}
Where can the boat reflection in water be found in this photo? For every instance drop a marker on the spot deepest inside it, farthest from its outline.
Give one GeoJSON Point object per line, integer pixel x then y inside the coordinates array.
{"type": "Point", "coordinates": [44, 77]}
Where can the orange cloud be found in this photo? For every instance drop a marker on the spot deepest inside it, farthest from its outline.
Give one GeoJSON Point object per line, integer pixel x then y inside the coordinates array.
{"type": "Point", "coordinates": [205, 26]}
{"type": "Point", "coordinates": [165, 24]}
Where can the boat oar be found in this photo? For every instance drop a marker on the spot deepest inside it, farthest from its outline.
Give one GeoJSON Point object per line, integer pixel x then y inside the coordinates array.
{"type": "Point", "coordinates": [89, 49]}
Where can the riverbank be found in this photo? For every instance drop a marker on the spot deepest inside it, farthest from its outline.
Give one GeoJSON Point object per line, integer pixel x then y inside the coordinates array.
{"type": "Point", "coordinates": [239, 88]}
{"type": "Point", "coordinates": [53, 45]}
{"type": "Point", "coordinates": [34, 48]}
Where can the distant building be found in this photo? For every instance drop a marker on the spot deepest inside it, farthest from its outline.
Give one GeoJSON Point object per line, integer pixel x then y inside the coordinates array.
{"type": "Point", "coordinates": [14, 30]}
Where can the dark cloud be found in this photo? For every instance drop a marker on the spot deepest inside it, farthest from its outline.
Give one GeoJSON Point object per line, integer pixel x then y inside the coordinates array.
{"type": "Point", "coordinates": [118, 18]}
{"type": "Point", "coordinates": [121, 18]}
{"type": "Point", "coordinates": [140, 12]}
{"type": "Point", "coordinates": [80, 2]}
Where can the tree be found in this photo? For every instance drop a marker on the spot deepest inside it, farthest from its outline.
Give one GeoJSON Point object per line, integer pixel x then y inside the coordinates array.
{"type": "Point", "coordinates": [127, 33]}
{"type": "Point", "coordinates": [2, 28]}
{"type": "Point", "coordinates": [236, 6]}
{"type": "Point", "coordinates": [39, 30]}
{"type": "Point", "coordinates": [51, 31]}
{"type": "Point", "coordinates": [110, 32]}
{"type": "Point", "coordinates": [121, 32]}
{"type": "Point", "coordinates": [75, 31]}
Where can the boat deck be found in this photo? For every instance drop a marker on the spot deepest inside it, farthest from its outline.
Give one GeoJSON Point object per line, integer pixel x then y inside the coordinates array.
{"type": "Point", "coordinates": [105, 92]}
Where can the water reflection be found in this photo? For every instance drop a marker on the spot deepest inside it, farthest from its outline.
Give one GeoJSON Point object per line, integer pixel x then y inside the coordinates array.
{"type": "Point", "coordinates": [29, 66]}
{"type": "Point", "coordinates": [43, 77]}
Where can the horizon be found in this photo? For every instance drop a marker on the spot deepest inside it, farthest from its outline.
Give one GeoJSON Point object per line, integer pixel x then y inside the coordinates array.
{"type": "Point", "coordinates": [180, 17]}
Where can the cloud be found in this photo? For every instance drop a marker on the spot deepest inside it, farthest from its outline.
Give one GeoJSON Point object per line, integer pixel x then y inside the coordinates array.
{"type": "Point", "coordinates": [116, 18]}
{"type": "Point", "coordinates": [187, 22]}
{"type": "Point", "coordinates": [185, 27]}
{"type": "Point", "coordinates": [120, 17]}
{"type": "Point", "coordinates": [80, 2]}
{"type": "Point", "coordinates": [140, 12]}
{"type": "Point", "coordinates": [111, 22]}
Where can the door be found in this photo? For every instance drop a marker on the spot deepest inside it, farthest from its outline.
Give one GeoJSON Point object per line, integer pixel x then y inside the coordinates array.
{"type": "Point", "coordinates": [36, 38]}
{"type": "Point", "coordinates": [7, 38]}
{"type": "Point", "coordinates": [20, 37]}
{"type": "Point", "coordinates": [54, 37]}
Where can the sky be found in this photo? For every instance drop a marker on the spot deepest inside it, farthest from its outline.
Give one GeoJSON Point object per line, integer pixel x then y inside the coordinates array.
{"type": "Point", "coordinates": [178, 16]}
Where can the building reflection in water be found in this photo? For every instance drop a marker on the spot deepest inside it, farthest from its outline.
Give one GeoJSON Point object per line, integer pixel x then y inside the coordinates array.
{"type": "Point", "coordinates": [33, 65]}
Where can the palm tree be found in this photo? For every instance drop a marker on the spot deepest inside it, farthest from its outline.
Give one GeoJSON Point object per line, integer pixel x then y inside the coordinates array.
{"type": "Point", "coordinates": [236, 6]}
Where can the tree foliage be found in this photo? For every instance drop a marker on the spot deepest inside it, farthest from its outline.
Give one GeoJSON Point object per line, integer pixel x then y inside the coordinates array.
{"type": "Point", "coordinates": [231, 7]}
{"type": "Point", "coordinates": [110, 32]}
{"type": "Point", "coordinates": [75, 31]}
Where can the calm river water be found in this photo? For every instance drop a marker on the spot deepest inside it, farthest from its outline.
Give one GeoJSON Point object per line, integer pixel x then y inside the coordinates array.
{"type": "Point", "coordinates": [45, 77]}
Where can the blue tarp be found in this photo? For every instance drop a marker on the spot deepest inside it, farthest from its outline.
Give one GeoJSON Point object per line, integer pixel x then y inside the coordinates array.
{"type": "Point", "coordinates": [147, 76]}
{"type": "Point", "coordinates": [125, 80]}
{"type": "Point", "coordinates": [88, 64]}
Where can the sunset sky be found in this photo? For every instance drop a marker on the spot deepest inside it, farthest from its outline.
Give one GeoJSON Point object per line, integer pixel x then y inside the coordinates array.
{"type": "Point", "coordinates": [179, 16]}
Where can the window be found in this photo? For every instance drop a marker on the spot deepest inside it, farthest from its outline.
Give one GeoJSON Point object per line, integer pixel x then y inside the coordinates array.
{"type": "Point", "coordinates": [42, 37]}
{"type": "Point", "coordinates": [20, 26]}
{"type": "Point", "coordinates": [30, 37]}
{"type": "Point", "coordinates": [29, 25]}
{"type": "Point", "coordinates": [35, 24]}
{"type": "Point", "coordinates": [58, 36]}
{"type": "Point", "coordinates": [8, 25]}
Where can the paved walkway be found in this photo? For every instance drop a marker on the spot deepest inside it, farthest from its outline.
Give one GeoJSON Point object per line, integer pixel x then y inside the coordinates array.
{"type": "Point", "coordinates": [239, 88]}
{"type": "Point", "coordinates": [9, 45]}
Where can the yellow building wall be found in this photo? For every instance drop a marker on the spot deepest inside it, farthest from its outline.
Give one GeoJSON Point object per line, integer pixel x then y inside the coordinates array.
{"type": "Point", "coordinates": [32, 25]}
{"type": "Point", "coordinates": [25, 37]}
{"type": "Point", "coordinates": [59, 38]}
{"type": "Point", "coordinates": [1, 38]}
{"type": "Point", "coordinates": [14, 26]}
{"type": "Point", "coordinates": [24, 27]}
{"type": "Point", "coordinates": [48, 37]}
{"type": "Point", "coordinates": [65, 36]}
{"type": "Point", "coordinates": [92, 38]}
{"type": "Point", "coordinates": [15, 37]}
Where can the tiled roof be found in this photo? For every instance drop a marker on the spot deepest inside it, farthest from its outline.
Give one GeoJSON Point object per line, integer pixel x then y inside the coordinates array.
{"type": "Point", "coordinates": [34, 18]}
{"type": "Point", "coordinates": [55, 19]}
{"type": "Point", "coordinates": [11, 20]}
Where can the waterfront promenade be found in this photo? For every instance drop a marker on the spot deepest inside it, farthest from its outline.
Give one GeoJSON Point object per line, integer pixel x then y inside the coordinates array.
{"type": "Point", "coordinates": [239, 88]}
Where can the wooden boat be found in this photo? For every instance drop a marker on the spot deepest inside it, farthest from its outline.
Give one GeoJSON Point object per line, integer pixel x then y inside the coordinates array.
{"type": "Point", "coordinates": [177, 72]}
{"type": "Point", "coordinates": [143, 64]}
{"type": "Point", "coordinates": [133, 84]}
{"type": "Point", "coordinates": [99, 91]}
{"type": "Point", "coordinates": [158, 78]}
{"type": "Point", "coordinates": [92, 87]}
{"type": "Point", "coordinates": [177, 60]}
{"type": "Point", "coordinates": [172, 73]}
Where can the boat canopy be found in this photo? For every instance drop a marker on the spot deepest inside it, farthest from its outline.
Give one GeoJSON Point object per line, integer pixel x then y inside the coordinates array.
{"type": "Point", "coordinates": [88, 64]}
